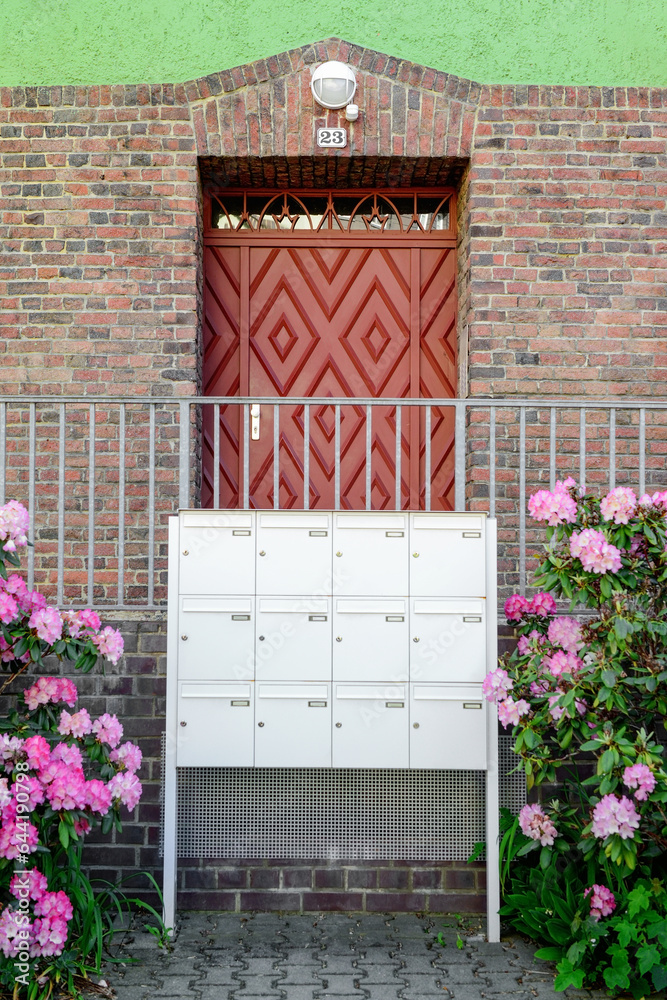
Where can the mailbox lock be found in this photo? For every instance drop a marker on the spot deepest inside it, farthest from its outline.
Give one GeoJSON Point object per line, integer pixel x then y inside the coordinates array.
{"type": "Point", "coordinates": [416, 639]}
{"type": "Point", "coordinates": [184, 723]}
{"type": "Point", "coordinates": [415, 725]}
{"type": "Point", "coordinates": [339, 638]}
{"type": "Point", "coordinates": [338, 725]}
{"type": "Point", "coordinates": [415, 555]}
{"type": "Point", "coordinates": [339, 554]}
{"type": "Point", "coordinates": [262, 553]}
{"type": "Point", "coordinates": [261, 638]}
{"type": "Point", "coordinates": [184, 637]}
{"type": "Point", "coordinates": [185, 552]}
{"type": "Point", "coordinates": [260, 724]}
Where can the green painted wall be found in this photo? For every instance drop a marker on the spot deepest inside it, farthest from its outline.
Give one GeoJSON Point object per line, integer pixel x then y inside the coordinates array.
{"type": "Point", "coordinates": [622, 42]}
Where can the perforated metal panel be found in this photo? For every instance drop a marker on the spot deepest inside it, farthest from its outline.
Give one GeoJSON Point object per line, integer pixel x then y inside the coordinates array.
{"type": "Point", "coordinates": [341, 813]}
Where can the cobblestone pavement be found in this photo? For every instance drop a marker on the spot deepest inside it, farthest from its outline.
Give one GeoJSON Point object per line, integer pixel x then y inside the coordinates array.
{"type": "Point", "coordinates": [223, 956]}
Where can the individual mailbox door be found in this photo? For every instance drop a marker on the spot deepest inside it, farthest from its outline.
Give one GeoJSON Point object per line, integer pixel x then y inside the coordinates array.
{"type": "Point", "coordinates": [217, 552]}
{"type": "Point", "coordinates": [447, 555]}
{"type": "Point", "coordinates": [216, 638]}
{"type": "Point", "coordinates": [293, 725]}
{"type": "Point", "coordinates": [448, 726]}
{"type": "Point", "coordinates": [370, 639]}
{"type": "Point", "coordinates": [370, 725]}
{"type": "Point", "coordinates": [215, 725]}
{"type": "Point", "coordinates": [370, 554]}
{"type": "Point", "coordinates": [294, 553]}
{"type": "Point", "coordinates": [293, 638]}
{"type": "Point", "coordinates": [447, 639]}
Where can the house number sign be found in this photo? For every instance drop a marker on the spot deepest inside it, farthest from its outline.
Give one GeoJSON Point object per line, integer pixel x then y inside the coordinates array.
{"type": "Point", "coordinates": [332, 137]}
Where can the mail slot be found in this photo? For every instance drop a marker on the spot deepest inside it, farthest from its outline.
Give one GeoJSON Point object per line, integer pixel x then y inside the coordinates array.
{"type": "Point", "coordinates": [216, 638]}
{"type": "Point", "coordinates": [370, 639]}
{"type": "Point", "coordinates": [447, 726]}
{"type": "Point", "coordinates": [447, 639]}
{"type": "Point", "coordinates": [217, 552]}
{"type": "Point", "coordinates": [293, 639]}
{"type": "Point", "coordinates": [294, 553]}
{"type": "Point", "coordinates": [447, 555]}
{"type": "Point", "coordinates": [293, 725]}
{"type": "Point", "coordinates": [215, 725]}
{"type": "Point", "coordinates": [370, 725]}
{"type": "Point", "coordinates": [370, 554]}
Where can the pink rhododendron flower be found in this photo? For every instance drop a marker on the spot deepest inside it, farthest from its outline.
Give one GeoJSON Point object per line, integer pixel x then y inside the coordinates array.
{"type": "Point", "coordinates": [13, 929]}
{"type": "Point", "coordinates": [32, 601]}
{"type": "Point", "coordinates": [496, 685]}
{"type": "Point", "coordinates": [603, 901]}
{"type": "Point", "coordinates": [530, 642]}
{"type": "Point", "coordinates": [64, 786]}
{"type": "Point", "coordinates": [79, 724]}
{"type": "Point", "coordinates": [108, 729]}
{"type": "Point", "coordinates": [29, 884]}
{"type": "Point", "coordinates": [82, 826]}
{"type": "Point", "coordinates": [614, 815]}
{"type": "Point", "coordinates": [10, 747]}
{"type": "Point", "coordinates": [17, 836]}
{"type": "Point", "coordinates": [510, 711]}
{"type": "Point", "coordinates": [556, 507]}
{"type": "Point", "coordinates": [125, 788]}
{"type": "Point", "coordinates": [5, 794]}
{"type": "Point", "coordinates": [97, 796]}
{"type": "Point", "coordinates": [38, 751]}
{"type": "Point", "coordinates": [54, 904]}
{"type": "Point", "coordinates": [68, 754]}
{"type": "Point", "coordinates": [29, 793]}
{"type": "Point", "coordinates": [561, 662]}
{"type": "Point", "coordinates": [566, 633]}
{"type": "Point", "coordinates": [110, 643]}
{"type": "Point", "coordinates": [538, 687]}
{"type": "Point", "coordinates": [79, 622]}
{"type": "Point", "coordinates": [516, 607]}
{"type": "Point", "coordinates": [49, 935]}
{"type": "Point", "coordinates": [536, 824]}
{"type": "Point", "coordinates": [556, 710]}
{"type": "Point", "coordinates": [9, 609]}
{"type": "Point", "coordinates": [50, 689]}
{"type": "Point", "coordinates": [596, 554]}
{"type": "Point", "coordinates": [14, 524]}
{"type": "Point", "coordinates": [619, 505]}
{"type": "Point", "coordinates": [47, 623]}
{"type": "Point", "coordinates": [130, 755]}
{"type": "Point", "coordinates": [14, 585]}
{"type": "Point", "coordinates": [641, 777]}
{"type": "Point", "coordinates": [542, 604]}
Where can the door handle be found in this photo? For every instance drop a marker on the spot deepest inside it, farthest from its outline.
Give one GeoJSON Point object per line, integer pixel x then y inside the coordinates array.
{"type": "Point", "coordinates": [254, 421]}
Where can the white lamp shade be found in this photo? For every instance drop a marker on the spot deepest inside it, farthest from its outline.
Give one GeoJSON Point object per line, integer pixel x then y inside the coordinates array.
{"type": "Point", "coordinates": [333, 84]}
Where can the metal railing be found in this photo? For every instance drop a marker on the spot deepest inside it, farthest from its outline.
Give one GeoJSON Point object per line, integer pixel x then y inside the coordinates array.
{"type": "Point", "coordinates": [100, 476]}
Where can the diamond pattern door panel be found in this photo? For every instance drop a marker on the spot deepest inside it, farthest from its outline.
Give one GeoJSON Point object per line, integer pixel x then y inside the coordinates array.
{"type": "Point", "coordinates": [332, 316]}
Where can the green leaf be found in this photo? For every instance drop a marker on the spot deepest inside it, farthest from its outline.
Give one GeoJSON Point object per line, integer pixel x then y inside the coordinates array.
{"type": "Point", "coordinates": [568, 976]}
{"type": "Point", "coordinates": [63, 834]}
{"type": "Point", "coordinates": [609, 677]}
{"type": "Point", "coordinates": [647, 957]}
{"type": "Point", "coordinates": [614, 977]}
{"type": "Point", "coordinates": [549, 954]}
{"type": "Point", "coordinates": [607, 761]}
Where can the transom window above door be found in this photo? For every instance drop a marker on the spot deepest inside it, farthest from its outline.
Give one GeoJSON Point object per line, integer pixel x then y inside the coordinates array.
{"type": "Point", "coordinates": [360, 211]}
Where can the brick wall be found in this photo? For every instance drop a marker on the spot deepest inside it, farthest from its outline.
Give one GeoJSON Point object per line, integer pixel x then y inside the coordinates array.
{"type": "Point", "coordinates": [562, 239]}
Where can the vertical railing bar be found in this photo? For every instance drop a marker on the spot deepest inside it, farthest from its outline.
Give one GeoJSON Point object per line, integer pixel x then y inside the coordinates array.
{"type": "Point", "coordinates": [459, 456]}
{"type": "Point", "coordinates": [306, 456]}
{"type": "Point", "coordinates": [32, 451]}
{"type": "Point", "coordinates": [216, 455]}
{"type": "Point", "coordinates": [399, 497]}
{"type": "Point", "coordinates": [552, 449]}
{"type": "Point", "coordinates": [276, 456]}
{"type": "Point", "coordinates": [60, 590]}
{"type": "Point", "coordinates": [427, 458]}
{"type": "Point", "coordinates": [3, 449]}
{"type": "Point", "coordinates": [184, 455]}
{"type": "Point", "coordinates": [91, 503]}
{"type": "Point", "coordinates": [522, 499]}
{"type": "Point", "coordinates": [369, 440]}
{"type": "Point", "coordinates": [582, 447]}
{"type": "Point", "coordinates": [492, 461]}
{"type": "Point", "coordinates": [246, 456]}
{"type": "Point", "coordinates": [612, 448]}
{"type": "Point", "coordinates": [337, 456]}
{"type": "Point", "coordinates": [151, 505]}
{"type": "Point", "coordinates": [642, 450]}
{"type": "Point", "coordinates": [121, 505]}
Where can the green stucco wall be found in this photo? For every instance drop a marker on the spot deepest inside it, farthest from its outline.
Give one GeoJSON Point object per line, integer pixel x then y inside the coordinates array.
{"type": "Point", "coordinates": [622, 42]}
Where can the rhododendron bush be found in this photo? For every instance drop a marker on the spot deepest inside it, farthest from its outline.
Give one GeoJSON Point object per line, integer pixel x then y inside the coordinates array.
{"type": "Point", "coordinates": [584, 866]}
{"type": "Point", "coordinates": [61, 774]}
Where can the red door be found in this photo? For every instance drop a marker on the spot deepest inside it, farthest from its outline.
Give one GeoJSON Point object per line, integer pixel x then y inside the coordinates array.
{"type": "Point", "coordinates": [329, 296]}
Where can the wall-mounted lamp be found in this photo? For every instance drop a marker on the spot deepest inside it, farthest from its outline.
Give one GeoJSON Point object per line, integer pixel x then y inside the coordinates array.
{"type": "Point", "coordinates": [333, 84]}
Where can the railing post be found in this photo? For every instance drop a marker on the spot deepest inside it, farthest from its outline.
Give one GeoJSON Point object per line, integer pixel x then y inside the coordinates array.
{"type": "Point", "coordinates": [184, 455]}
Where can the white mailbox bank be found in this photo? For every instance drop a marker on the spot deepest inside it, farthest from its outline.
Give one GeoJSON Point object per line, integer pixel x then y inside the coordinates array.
{"type": "Point", "coordinates": [331, 639]}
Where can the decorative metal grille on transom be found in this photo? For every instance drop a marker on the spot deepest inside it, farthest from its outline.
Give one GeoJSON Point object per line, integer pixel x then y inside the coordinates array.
{"type": "Point", "coordinates": [340, 813]}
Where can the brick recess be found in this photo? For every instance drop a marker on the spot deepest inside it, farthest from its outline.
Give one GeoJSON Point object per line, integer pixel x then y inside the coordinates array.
{"type": "Point", "coordinates": [562, 262]}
